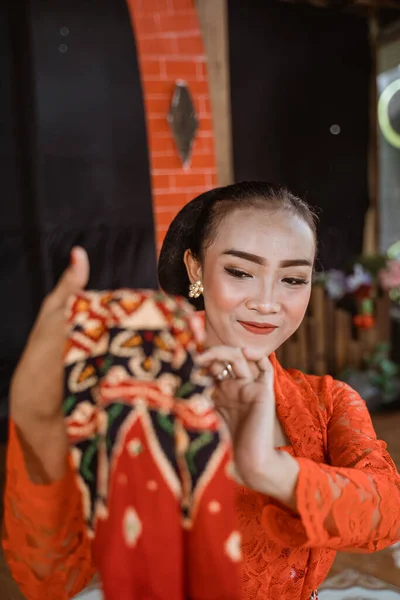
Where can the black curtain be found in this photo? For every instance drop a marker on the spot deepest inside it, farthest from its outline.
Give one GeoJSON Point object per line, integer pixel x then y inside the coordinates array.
{"type": "Point", "coordinates": [74, 157]}
{"type": "Point", "coordinates": [298, 73]}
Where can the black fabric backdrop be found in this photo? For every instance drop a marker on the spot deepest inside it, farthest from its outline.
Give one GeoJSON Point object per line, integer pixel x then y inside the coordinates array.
{"type": "Point", "coordinates": [296, 71]}
{"type": "Point", "coordinates": [73, 157]}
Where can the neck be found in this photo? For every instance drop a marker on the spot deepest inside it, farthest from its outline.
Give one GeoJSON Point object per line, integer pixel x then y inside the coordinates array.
{"type": "Point", "coordinates": [211, 338]}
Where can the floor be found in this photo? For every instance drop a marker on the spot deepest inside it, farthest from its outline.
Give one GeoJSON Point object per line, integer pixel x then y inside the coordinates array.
{"type": "Point", "coordinates": [380, 564]}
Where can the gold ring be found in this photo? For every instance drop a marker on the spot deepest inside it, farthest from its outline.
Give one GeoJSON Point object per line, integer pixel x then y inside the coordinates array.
{"type": "Point", "coordinates": [226, 372]}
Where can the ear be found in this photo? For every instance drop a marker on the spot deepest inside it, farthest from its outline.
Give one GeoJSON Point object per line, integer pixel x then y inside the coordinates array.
{"type": "Point", "coordinates": [193, 267]}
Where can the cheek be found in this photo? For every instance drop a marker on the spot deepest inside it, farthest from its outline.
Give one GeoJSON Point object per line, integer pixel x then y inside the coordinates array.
{"type": "Point", "coordinates": [296, 304]}
{"type": "Point", "coordinates": [221, 294]}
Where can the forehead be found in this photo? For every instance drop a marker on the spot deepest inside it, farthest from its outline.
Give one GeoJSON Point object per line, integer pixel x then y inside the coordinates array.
{"type": "Point", "coordinates": [266, 232]}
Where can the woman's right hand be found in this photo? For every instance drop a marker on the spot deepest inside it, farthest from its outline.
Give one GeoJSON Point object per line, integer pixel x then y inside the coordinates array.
{"type": "Point", "coordinates": [36, 392]}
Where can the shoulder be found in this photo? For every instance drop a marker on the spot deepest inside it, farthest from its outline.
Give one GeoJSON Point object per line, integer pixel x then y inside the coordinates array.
{"type": "Point", "coordinates": [329, 391]}
{"type": "Point", "coordinates": [321, 385]}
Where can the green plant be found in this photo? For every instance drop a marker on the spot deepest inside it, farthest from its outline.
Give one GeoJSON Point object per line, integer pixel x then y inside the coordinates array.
{"type": "Point", "coordinates": [382, 373]}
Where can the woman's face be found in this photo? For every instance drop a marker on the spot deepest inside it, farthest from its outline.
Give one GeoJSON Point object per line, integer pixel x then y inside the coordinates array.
{"type": "Point", "coordinates": [257, 278]}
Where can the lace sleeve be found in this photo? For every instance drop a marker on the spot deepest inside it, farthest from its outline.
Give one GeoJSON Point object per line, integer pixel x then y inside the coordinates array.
{"type": "Point", "coordinates": [44, 537]}
{"type": "Point", "coordinates": [353, 503]}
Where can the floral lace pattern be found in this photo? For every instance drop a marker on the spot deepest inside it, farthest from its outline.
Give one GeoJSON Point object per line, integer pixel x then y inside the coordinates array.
{"type": "Point", "coordinates": [44, 537]}
{"type": "Point", "coordinates": [348, 491]}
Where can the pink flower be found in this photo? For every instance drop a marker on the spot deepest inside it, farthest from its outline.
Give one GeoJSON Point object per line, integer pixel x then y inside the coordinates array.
{"type": "Point", "coordinates": [389, 277]}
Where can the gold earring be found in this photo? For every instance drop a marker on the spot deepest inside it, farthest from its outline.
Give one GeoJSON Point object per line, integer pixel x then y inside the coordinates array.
{"type": "Point", "coordinates": [196, 289]}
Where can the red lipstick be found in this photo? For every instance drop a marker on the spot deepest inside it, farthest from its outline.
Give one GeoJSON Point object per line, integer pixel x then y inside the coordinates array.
{"type": "Point", "coordinates": [258, 328]}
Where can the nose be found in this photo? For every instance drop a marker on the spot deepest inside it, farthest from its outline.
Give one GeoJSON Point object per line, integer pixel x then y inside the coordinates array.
{"type": "Point", "coordinates": [265, 301]}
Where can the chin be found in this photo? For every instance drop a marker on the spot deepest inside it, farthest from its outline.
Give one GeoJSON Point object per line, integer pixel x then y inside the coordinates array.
{"type": "Point", "coordinates": [258, 342]}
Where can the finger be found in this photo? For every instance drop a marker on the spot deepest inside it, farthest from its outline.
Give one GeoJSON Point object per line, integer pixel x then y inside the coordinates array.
{"type": "Point", "coordinates": [222, 355]}
{"type": "Point", "coordinates": [216, 368]}
{"type": "Point", "coordinates": [262, 363]}
{"type": "Point", "coordinates": [218, 353]}
{"type": "Point", "coordinates": [238, 368]}
{"type": "Point", "coordinates": [72, 281]}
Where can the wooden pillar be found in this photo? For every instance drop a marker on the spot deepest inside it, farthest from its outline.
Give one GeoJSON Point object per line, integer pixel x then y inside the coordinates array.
{"type": "Point", "coordinates": [213, 18]}
{"type": "Point", "coordinates": [371, 226]}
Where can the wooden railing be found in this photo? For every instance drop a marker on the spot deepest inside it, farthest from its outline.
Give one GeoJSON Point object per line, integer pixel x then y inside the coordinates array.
{"type": "Point", "coordinates": [327, 341]}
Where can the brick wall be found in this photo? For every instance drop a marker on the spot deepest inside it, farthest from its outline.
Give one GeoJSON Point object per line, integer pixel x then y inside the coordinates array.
{"type": "Point", "coordinates": [170, 48]}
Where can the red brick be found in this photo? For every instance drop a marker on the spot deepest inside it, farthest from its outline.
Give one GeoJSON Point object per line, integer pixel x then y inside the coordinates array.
{"type": "Point", "coordinates": [202, 161]}
{"type": "Point", "coordinates": [163, 154]}
{"type": "Point", "coordinates": [199, 88]}
{"type": "Point", "coordinates": [159, 87]}
{"type": "Point", "coordinates": [181, 69]}
{"type": "Point", "coordinates": [190, 45]}
{"type": "Point", "coordinates": [205, 106]}
{"type": "Point", "coordinates": [160, 239]}
{"type": "Point", "coordinates": [166, 162]}
{"type": "Point", "coordinates": [157, 125]}
{"type": "Point", "coordinates": [205, 134]}
{"type": "Point", "coordinates": [202, 71]}
{"type": "Point", "coordinates": [176, 22]}
{"type": "Point", "coordinates": [167, 209]}
{"type": "Point", "coordinates": [188, 180]}
{"type": "Point", "coordinates": [174, 200]}
{"type": "Point", "coordinates": [147, 6]}
{"type": "Point", "coordinates": [170, 47]}
{"type": "Point", "coordinates": [145, 25]}
{"type": "Point", "coordinates": [161, 182]}
{"type": "Point", "coordinates": [158, 46]}
{"type": "Point", "coordinates": [158, 105]}
{"type": "Point", "coordinates": [162, 144]}
{"type": "Point", "coordinates": [214, 180]}
{"type": "Point", "coordinates": [205, 124]}
{"type": "Point", "coordinates": [182, 4]}
{"type": "Point", "coordinates": [204, 146]}
{"type": "Point", "coordinates": [151, 67]}
{"type": "Point", "coordinates": [162, 229]}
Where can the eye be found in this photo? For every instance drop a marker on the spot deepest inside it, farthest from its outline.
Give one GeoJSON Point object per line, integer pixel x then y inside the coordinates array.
{"type": "Point", "coordinates": [295, 281]}
{"type": "Point", "coordinates": [238, 273]}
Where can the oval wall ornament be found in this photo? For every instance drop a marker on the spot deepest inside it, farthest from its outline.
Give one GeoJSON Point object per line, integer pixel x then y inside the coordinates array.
{"type": "Point", "coordinates": [388, 131]}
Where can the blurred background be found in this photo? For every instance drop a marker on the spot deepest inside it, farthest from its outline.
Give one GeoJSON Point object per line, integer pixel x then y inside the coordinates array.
{"type": "Point", "coordinates": [114, 114]}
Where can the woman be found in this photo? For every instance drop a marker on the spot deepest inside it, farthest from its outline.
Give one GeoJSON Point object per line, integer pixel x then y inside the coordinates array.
{"type": "Point", "coordinates": [312, 476]}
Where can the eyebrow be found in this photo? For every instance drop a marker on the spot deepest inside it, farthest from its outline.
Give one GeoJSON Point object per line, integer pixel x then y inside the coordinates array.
{"type": "Point", "coordinates": [259, 260]}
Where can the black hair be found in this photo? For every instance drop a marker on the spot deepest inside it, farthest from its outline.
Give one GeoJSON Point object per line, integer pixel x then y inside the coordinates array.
{"type": "Point", "coordinates": [195, 226]}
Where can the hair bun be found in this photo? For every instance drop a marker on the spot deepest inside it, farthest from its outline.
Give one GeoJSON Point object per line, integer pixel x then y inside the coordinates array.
{"type": "Point", "coordinates": [183, 233]}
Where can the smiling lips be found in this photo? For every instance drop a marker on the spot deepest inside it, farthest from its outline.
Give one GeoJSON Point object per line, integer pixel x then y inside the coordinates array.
{"type": "Point", "coordinates": [258, 328]}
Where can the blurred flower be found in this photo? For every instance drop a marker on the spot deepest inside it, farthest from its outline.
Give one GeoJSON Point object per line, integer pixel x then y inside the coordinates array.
{"type": "Point", "coordinates": [360, 277]}
{"type": "Point", "coordinates": [389, 277]}
{"type": "Point", "coordinates": [363, 292]}
{"type": "Point", "coordinates": [335, 284]}
{"type": "Point", "coordinates": [364, 321]}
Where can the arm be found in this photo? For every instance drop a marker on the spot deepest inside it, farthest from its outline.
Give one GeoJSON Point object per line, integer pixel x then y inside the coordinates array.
{"type": "Point", "coordinates": [44, 537]}
{"type": "Point", "coordinates": [351, 504]}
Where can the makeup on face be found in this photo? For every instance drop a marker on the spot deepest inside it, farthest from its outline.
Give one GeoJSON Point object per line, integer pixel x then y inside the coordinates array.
{"type": "Point", "coordinates": [257, 278]}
